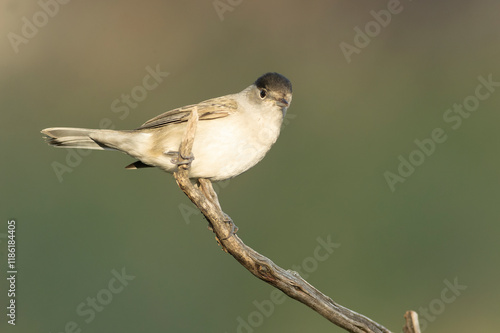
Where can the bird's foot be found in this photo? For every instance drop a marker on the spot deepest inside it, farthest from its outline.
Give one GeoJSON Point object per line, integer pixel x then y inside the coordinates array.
{"type": "Point", "coordinates": [234, 228]}
{"type": "Point", "coordinates": [179, 159]}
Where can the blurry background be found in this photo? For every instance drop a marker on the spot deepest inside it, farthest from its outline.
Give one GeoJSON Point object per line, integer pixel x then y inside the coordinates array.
{"type": "Point", "coordinates": [81, 216]}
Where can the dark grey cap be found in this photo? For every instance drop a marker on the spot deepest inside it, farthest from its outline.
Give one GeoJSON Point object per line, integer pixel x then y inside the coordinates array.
{"type": "Point", "coordinates": [274, 82]}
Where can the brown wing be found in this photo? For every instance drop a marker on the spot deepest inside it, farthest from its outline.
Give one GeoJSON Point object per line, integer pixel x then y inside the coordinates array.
{"type": "Point", "coordinates": [209, 109]}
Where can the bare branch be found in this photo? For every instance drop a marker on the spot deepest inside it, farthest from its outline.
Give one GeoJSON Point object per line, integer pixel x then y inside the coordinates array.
{"type": "Point", "coordinates": [291, 283]}
{"type": "Point", "coordinates": [412, 325]}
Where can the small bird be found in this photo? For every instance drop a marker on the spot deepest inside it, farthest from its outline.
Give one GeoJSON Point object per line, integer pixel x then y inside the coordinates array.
{"type": "Point", "coordinates": [234, 132]}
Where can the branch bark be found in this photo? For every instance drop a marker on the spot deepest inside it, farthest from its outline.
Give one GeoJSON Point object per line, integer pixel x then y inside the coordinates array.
{"type": "Point", "coordinates": [291, 283]}
{"type": "Point", "coordinates": [412, 325]}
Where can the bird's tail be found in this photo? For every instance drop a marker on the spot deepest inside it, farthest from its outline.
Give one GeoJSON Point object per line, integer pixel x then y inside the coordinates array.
{"type": "Point", "coordinates": [68, 137]}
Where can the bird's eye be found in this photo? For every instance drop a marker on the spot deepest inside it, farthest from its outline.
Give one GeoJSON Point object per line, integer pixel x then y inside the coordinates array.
{"type": "Point", "coordinates": [263, 93]}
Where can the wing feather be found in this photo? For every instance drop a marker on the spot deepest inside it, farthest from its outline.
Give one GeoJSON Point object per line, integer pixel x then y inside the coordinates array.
{"type": "Point", "coordinates": [210, 109]}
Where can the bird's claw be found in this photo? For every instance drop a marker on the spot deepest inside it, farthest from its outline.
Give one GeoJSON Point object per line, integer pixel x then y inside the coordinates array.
{"type": "Point", "coordinates": [179, 159]}
{"type": "Point", "coordinates": [234, 228]}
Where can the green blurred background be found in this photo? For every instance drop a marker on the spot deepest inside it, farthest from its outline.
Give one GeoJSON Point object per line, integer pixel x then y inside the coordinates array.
{"type": "Point", "coordinates": [346, 127]}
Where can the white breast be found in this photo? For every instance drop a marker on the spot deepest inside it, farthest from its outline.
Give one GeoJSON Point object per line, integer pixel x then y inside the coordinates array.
{"type": "Point", "coordinates": [227, 147]}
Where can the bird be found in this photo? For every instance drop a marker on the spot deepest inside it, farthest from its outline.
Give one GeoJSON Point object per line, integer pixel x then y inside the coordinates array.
{"type": "Point", "coordinates": [233, 134]}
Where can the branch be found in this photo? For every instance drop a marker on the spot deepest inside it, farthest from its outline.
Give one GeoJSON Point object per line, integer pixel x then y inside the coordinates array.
{"type": "Point", "coordinates": [291, 283]}
{"type": "Point", "coordinates": [412, 325]}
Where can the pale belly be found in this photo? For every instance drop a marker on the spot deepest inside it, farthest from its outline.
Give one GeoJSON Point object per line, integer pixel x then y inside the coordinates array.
{"type": "Point", "coordinates": [223, 148]}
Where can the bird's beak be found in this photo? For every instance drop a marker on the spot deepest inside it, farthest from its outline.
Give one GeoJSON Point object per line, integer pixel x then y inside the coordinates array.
{"type": "Point", "coordinates": [283, 103]}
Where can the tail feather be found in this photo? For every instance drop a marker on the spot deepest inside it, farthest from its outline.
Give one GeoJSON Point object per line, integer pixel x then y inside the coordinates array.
{"type": "Point", "coordinates": [137, 165]}
{"type": "Point", "coordinates": [67, 137]}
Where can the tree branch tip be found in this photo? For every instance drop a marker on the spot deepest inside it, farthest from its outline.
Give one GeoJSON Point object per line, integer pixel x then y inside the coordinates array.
{"type": "Point", "coordinates": [412, 325]}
